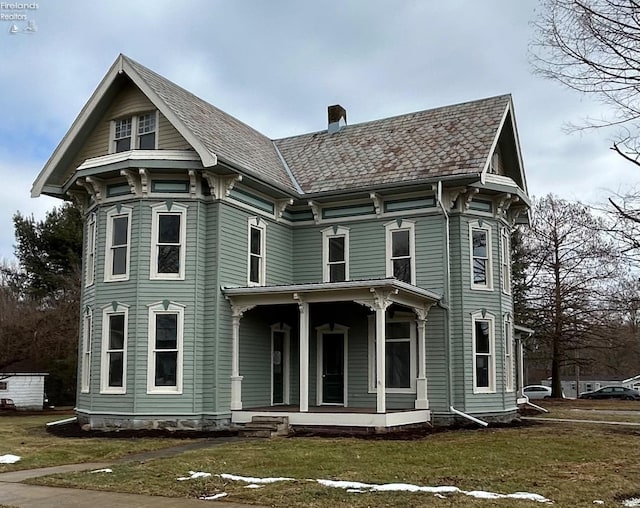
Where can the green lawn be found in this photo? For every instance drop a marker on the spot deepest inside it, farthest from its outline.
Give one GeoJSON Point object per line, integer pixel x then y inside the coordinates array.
{"type": "Point", "coordinates": [572, 465]}
{"type": "Point", "coordinates": [26, 436]}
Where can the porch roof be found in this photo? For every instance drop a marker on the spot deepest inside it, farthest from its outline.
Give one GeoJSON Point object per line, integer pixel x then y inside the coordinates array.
{"type": "Point", "coordinates": [361, 291]}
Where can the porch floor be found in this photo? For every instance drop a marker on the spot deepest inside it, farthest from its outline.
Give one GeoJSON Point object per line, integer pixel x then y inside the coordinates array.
{"type": "Point", "coordinates": [336, 416]}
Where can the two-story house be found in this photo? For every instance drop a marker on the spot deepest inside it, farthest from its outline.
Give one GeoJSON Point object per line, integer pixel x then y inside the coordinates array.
{"type": "Point", "coordinates": [358, 276]}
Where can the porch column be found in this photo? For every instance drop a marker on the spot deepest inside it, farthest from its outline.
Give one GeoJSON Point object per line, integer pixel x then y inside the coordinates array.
{"type": "Point", "coordinates": [236, 378]}
{"type": "Point", "coordinates": [304, 355]}
{"type": "Point", "coordinates": [422, 402]}
{"type": "Point", "coordinates": [381, 305]}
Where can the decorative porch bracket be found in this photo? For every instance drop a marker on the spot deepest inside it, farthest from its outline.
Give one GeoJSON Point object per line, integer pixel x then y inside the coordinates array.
{"type": "Point", "coordinates": [236, 379]}
{"type": "Point", "coordinates": [303, 307]}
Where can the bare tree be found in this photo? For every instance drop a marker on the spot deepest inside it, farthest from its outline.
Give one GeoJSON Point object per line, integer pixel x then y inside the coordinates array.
{"type": "Point", "coordinates": [593, 46]}
{"type": "Point", "coordinates": [571, 268]}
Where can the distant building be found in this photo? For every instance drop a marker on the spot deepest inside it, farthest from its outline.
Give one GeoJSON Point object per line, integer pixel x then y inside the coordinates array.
{"type": "Point", "coordinates": [24, 384]}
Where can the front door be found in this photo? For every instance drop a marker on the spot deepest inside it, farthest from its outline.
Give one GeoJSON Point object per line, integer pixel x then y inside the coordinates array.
{"type": "Point", "coordinates": [332, 368]}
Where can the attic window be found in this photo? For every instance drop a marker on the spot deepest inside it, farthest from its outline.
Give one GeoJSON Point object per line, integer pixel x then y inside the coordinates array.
{"type": "Point", "coordinates": [135, 133]}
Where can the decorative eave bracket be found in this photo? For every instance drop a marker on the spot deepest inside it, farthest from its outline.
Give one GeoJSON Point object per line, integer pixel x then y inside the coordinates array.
{"type": "Point", "coordinates": [281, 205]}
{"type": "Point", "coordinates": [316, 210]}
{"type": "Point", "coordinates": [221, 185]}
{"type": "Point", "coordinates": [133, 181]}
{"type": "Point", "coordinates": [378, 203]}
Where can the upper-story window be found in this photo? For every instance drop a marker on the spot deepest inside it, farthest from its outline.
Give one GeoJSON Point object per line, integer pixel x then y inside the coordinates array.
{"type": "Point", "coordinates": [136, 132]}
{"type": "Point", "coordinates": [256, 265]}
{"type": "Point", "coordinates": [335, 254]}
{"type": "Point", "coordinates": [480, 250]}
{"type": "Point", "coordinates": [90, 266]}
{"type": "Point", "coordinates": [114, 349]}
{"type": "Point", "coordinates": [484, 364]}
{"type": "Point", "coordinates": [505, 261]}
{"type": "Point", "coordinates": [400, 247]}
{"type": "Point", "coordinates": [118, 244]}
{"type": "Point", "coordinates": [168, 244]}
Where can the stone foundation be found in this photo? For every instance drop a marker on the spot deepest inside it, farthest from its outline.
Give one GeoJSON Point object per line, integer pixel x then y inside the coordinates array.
{"type": "Point", "coordinates": [169, 423]}
{"type": "Point", "coordinates": [452, 420]}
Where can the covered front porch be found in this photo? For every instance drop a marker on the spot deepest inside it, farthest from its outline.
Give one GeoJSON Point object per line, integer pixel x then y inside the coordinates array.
{"type": "Point", "coordinates": [353, 357]}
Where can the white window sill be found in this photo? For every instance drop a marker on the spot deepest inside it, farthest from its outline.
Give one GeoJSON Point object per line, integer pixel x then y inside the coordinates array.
{"type": "Point", "coordinates": [481, 288]}
{"type": "Point", "coordinates": [480, 391]}
{"type": "Point", "coordinates": [107, 391]}
{"type": "Point", "coordinates": [119, 279]}
{"type": "Point", "coordinates": [164, 391]}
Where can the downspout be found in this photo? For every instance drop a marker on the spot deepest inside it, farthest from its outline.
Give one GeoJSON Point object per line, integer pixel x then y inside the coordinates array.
{"type": "Point", "coordinates": [468, 417]}
{"type": "Point", "coordinates": [447, 290]}
{"type": "Point", "coordinates": [448, 310]}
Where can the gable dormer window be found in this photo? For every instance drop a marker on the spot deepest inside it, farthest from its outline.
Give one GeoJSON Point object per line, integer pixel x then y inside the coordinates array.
{"type": "Point", "coordinates": [137, 132]}
{"type": "Point", "coordinates": [122, 139]}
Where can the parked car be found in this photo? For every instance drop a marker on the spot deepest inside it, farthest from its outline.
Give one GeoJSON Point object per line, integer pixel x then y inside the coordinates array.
{"type": "Point", "coordinates": [612, 392]}
{"type": "Point", "coordinates": [537, 392]}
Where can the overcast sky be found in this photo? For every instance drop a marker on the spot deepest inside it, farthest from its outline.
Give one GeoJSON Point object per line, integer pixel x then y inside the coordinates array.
{"type": "Point", "coordinates": [278, 64]}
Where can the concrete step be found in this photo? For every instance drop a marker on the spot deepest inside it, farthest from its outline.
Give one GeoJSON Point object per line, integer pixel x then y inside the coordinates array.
{"type": "Point", "coordinates": [266, 426]}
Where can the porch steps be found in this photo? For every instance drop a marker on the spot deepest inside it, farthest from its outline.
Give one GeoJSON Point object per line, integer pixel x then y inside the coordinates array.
{"type": "Point", "coordinates": [266, 426]}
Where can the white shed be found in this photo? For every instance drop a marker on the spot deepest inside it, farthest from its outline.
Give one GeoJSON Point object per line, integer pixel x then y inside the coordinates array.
{"type": "Point", "coordinates": [24, 384]}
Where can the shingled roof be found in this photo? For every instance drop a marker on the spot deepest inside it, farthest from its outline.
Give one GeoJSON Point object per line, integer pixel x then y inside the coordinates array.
{"type": "Point", "coordinates": [427, 145]}
{"type": "Point", "coordinates": [447, 141]}
{"type": "Point", "coordinates": [231, 140]}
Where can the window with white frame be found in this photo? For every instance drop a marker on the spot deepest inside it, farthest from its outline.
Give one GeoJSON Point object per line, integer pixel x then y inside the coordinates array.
{"type": "Point", "coordinates": [484, 367]}
{"type": "Point", "coordinates": [505, 261]}
{"type": "Point", "coordinates": [118, 244]}
{"type": "Point", "coordinates": [256, 262]}
{"type": "Point", "coordinates": [91, 250]}
{"type": "Point", "coordinates": [136, 132]}
{"type": "Point", "coordinates": [168, 244]}
{"type": "Point", "coordinates": [113, 372]}
{"type": "Point", "coordinates": [166, 329]}
{"type": "Point", "coordinates": [87, 336]}
{"type": "Point", "coordinates": [335, 254]}
{"type": "Point", "coordinates": [480, 247]}
{"type": "Point", "coordinates": [400, 353]}
{"type": "Point", "coordinates": [508, 355]}
{"type": "Point", "coordinates": [400, 250]}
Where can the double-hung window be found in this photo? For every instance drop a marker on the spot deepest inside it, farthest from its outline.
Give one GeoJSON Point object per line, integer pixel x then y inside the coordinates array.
{"type": "Point", "coordinates": [256, 263]}
{"type": "Point", "coordinates": [137, 132]}
{"type": "Point", "coordinates": [505, 261]}
{"type": "Point", "coordinates": [114, 349]}
{"type": "Point", "coordinates": [118, 244]}
{"type": "Point", "coordinates": [480, 250]}
{"type": "Point", "coordinates": [168, 246]}
{"type": "Point", "coordinates": [400, 247]}
{"type": "Point", "coordinates": [91, 250]}
{"type": "Point", "coordinates": [87, 337]}
{"type": "Point", "coordinates": [508, 355]}
{"type": "Point", "coordinates": [166, 329]}
{"type": "Point", "coordinates": [400, 354]}
{"type": "Point", "coordinates": [484, 367]}
{"type": "Point", "coordinates": [335, 254]}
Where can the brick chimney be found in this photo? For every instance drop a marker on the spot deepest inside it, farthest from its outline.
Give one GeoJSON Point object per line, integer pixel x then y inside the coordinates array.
{"type": "Point", "coordinates": [337, 118]}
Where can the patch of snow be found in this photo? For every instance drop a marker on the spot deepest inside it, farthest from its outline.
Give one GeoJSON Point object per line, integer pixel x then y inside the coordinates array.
{"type": "Point", "coordinates": [194, 475]}
{"type": "Point", "coordinates": [214, 497]}
{"type": "Point", "coordinates": [631, 503]}
{"type": "Point", "coordinates": [253, 486]}
{"type": "Point", "coordinates": [249, 479]}
{"type": "Point", "coordinates": [359, 487]}
{"type": "Point", "coordinates": [9, 459]}
{"type": "Point", "coordinates": [105, 470]}
{"type": "Point", "coordinates": [598, 501]}
{"type": "Point", "coordinates": [407, 487]}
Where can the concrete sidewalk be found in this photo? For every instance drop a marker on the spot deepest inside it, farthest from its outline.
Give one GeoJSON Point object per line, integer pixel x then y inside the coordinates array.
{"type": "Point", "coordinates": [14, 493]}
